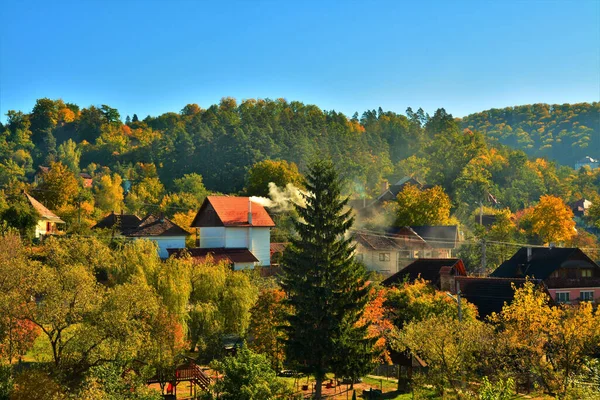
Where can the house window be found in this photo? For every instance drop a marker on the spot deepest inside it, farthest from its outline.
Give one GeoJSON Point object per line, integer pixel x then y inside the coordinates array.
{"type": "Point", "coordinates": [384, 256]}
{"type": "Point", "coordinates": [562, 297]}
{"type": "Point", "coordinates": [587, 295]}
{"type": "Point", "coordinates": [404, 254]}
{"type": "Point", "coordinates": [586, 273]}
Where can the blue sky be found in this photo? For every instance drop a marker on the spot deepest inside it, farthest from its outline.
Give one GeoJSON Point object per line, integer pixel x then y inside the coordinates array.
{"type": "Point", "coordinates": [150, 57]}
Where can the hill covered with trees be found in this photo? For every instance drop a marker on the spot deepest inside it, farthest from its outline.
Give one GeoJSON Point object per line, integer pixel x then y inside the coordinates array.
{"type": "Point", "coordinates": [564, 133]}
{"type": "Point", "coordinates": [170, 162]}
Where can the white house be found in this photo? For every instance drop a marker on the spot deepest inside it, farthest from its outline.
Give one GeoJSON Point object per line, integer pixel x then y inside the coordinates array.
{"type": "Point", "coordinates": [48, 221]}
{"type": "Point", "coordinates": [227, 223]}
{"type": "Point", "coordinates": [158, 229]}
{"type": "Point", "coordinates": [162, 231]}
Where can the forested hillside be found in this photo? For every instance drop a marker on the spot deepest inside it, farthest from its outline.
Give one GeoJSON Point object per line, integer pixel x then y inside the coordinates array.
{"type": "Point", "coordinates": [171, 161]}
{"type": "Point", "coordinates": [565, 133]}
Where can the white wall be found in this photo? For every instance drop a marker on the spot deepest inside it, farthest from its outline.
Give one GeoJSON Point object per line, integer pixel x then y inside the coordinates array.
{"type": "Point", "coordinates": [261, 245]}
{"type": "Point", "coordinates": [212, 237]}
{"type": "Point", "coordinates": [241, 266]}
{"type": "Point", "coordinates": [167, 242]}
{"type": "Point", "coordinates": [236, 238]}
{"type": "Point", "coordinates": [40, 228]}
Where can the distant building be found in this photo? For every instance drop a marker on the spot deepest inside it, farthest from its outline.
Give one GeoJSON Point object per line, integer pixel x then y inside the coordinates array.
{"type": "Point", "coordinates": [86, 179]}
{"type": "Point", "coordinates": [227, 223]}
{"type": "Point", "coordinates": [443, 240]}
{"type": "Point", "coordinates": [587, 161]}
{"type": "Point", "coordinates": [156, 228]}
{"type": "Point", "coordinates": [388, 193]}
{"type": "Point", "coordinates": [388, 254]}
{"type": "Point", "coordinates": [580, 207]}
{"type": "Point", "coordinates": [436, 271]}
{"type": "Point", "coordinates": [570, 275]}
{"type": "Point", "coordinates": [48, 221]}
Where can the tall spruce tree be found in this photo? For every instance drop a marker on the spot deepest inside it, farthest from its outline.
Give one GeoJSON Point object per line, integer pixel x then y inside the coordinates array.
{"type": "Point", "coordinates": [326, 287]}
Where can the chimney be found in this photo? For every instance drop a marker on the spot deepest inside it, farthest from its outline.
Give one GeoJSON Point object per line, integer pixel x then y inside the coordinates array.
{"type": "Point", "coordinates": [249, 212]}
{"type": "Point", "coordinates": [385, 185]}
{"type": "Point", "coordinates": [529, 253]}
{"type": "Point", "coordinates": [447, 280]}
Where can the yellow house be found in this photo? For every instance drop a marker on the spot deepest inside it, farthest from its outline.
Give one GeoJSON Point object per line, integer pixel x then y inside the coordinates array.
{"type": "Point", "coordinates": [47, 224]}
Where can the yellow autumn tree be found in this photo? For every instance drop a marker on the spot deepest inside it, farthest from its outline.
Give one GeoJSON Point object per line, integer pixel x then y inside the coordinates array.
{"type": "Point", "coordinates": [416, 207]}
{"type": "Point", "coordinates": [552, 220]}
{"type": "Point", "coordinates": [550, 342]}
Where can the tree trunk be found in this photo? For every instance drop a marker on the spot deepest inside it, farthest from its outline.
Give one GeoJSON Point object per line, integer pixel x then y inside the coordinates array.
{"type": "Point", "coordinates": [318, 388]}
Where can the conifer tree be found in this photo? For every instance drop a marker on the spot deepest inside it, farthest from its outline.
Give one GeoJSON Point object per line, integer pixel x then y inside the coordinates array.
{"type": "Point", "coordinates": [326, 287]}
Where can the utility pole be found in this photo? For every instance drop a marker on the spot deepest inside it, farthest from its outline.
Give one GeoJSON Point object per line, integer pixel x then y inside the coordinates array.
{"type": "Point", "coordinates": [481, 213]}
{"type": "Point", "coordinates": [458, 302]}
{"type": "Point", "coordinates": [483, 259]}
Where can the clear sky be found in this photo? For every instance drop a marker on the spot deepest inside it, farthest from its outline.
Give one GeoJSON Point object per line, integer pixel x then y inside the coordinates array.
{"type": "Point", "coordinates": [150, 57]}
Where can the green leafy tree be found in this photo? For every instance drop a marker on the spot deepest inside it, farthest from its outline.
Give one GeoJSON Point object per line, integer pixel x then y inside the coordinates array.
{"type": "Point", "coordinates": [108, 192]}
{"type": "Point", "coordinates": [248, 376]}
{"type": "Point", "coordinates": [69, 155]}
{"type": "Point", "coordinates": [279, 172]}
{"type": "Point", "coordinates": [415, 207]}
{"type": "Point", "coordinates": [326, 287]}
{"type": "Point", "coordinates": [192, 184]}
{"type": "Point", "coordinates": [59, 187]}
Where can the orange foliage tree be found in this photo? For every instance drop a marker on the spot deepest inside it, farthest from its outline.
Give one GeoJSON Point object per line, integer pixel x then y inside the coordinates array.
{"type": "Point", "coordinates": [268, 317]}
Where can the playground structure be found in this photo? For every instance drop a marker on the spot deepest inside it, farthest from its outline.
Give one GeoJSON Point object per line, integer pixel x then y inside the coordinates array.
{"type": "Point", "coordinates": [187, 371]}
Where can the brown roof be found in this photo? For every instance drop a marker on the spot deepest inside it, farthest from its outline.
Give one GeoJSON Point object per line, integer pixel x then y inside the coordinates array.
{"type": "Point", "coordinates": [153, 225]}
{"type": "Point", "coordinates": [231, 255]}
{"type": "Point", "coordinates": [405, 239]}
{"type": "Point", "coordinates": [124, 222]}
{"type": "Point", "coordinates": [490, 294]}
{"type": "Point", "coordinates": [428, 269]}
{"type": "Point", "coordinates": [278, 247]}
{"type": "Point", "coordinates": [43, 211]}
{"type": "Point", "coordinates": [231, 211]}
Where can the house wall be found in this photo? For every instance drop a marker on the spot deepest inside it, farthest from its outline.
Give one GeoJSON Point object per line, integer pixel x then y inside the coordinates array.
{"type": "Point", "coordinates": [398, 258]}
{"type": "Point", "coordinates": [236, 237]}
{"type": "Point", "coordinates": [242, 266]}
{"type": "Point", "coordinates": [211, 237]}
{"type": "Point", "coordinates": [167, 242]}
{"type": "Point", "coordinates": [575, 293]}
{"type": "Point", "coordinates": [42, 228]}
{"type": "Point", "coordinates": [261, 245]}
{"type": "Point", "coordinates": [255, 239]}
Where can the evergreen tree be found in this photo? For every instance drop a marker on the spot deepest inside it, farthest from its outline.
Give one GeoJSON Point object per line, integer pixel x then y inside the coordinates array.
{"type": "Point", "coordinates": [326, 287]}
{"type": "Point", "coordinates": [134, 118]}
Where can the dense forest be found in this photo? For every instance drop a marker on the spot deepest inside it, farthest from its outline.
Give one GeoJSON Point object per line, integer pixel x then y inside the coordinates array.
{"type": "Point", "coordinates": [565, 133]}
{"type": "Point", "coordinates": [171, 161]}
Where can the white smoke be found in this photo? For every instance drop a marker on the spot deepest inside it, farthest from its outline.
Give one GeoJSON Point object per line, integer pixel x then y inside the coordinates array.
{"type": "Point", "coordinates": [281, 199]}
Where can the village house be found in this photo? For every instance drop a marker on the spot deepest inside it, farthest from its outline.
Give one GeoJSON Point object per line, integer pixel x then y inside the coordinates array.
{"type": "Point", "coordinates": [86, 179]}
{"type": "Point", "coordinates": [568, 273]}
{"type": "Point", "coordinates": [388, 193]}
{"type": "Point", "coordinates": [234, 228]}
{"type": "Point", "coordinates": [449, 275]}
{"type": "Point", "coordinates": [581, 207]}
{"type": "Point", "coordinates": [436, 271]}
{"type": "Point", "coordinates": [48, 222]}
{"type": "Point", "coordinates": [158, 229]}
{"type": "Point", "coordinates": [388, 254]}
{"type": "Point", "coordinates": [443, 241]}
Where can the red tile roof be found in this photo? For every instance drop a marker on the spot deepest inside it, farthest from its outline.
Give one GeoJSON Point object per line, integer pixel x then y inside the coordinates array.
{"type": "Point", "coordinates": [232, 255]}
{"type": "Point", "coordinates": [233, 211]}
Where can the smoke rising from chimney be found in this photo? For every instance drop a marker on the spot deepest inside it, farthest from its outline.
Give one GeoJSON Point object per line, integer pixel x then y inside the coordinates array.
{"type": "Point", "coordinates": [281, 199]}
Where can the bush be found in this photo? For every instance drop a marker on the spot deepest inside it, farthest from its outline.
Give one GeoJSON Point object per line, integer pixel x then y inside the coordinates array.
{"type": "Point", "coordinates": [499, 390]}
